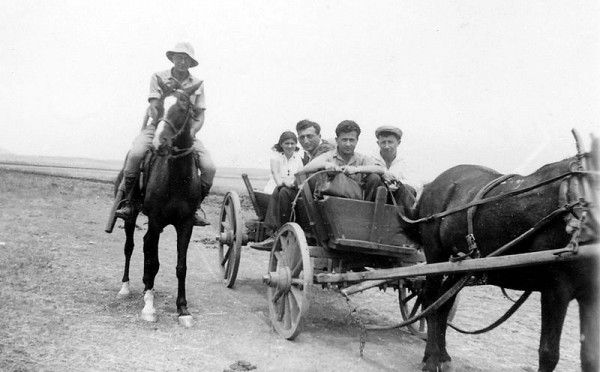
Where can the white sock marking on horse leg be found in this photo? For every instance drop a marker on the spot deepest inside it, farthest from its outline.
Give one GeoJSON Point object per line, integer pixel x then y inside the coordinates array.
{"type": "Point", "coordinates": [149, 312]}
{"type": "Point", "coordinates": [124, 292]}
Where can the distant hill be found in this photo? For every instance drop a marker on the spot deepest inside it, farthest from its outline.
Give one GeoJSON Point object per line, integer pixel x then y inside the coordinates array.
{"type": "Point", "coordinates": [3, 151]}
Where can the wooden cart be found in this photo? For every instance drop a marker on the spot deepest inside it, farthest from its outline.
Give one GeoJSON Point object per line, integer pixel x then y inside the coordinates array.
{"type": "Point", "coordinates": [330, 235]}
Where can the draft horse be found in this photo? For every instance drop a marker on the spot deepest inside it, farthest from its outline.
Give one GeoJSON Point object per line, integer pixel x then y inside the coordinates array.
{"type": "Point", "coordinates": [550, 209]}
{"type": "Point", "coordinates": [169, 196]}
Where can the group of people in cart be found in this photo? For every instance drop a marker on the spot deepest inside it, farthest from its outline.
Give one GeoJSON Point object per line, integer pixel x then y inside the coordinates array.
{"type": "Point", "coordinates": [384, 168]}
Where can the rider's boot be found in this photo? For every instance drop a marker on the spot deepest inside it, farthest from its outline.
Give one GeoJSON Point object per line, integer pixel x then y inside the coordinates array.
{"type": "Point", "coordinates": [126, 210]}
{"type": "Point", "coordinates": [200, 217]}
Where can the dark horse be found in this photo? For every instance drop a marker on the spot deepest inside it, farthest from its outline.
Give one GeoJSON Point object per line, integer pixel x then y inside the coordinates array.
{"type": "Point", "coordinates": [497, 223]}
{"type": "Point", "coordinates": [170, 197]}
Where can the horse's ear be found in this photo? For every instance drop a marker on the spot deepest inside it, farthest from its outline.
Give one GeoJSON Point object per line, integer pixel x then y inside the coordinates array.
{"type": "Point", "coordinates": [164, 87]}
{"type": "Point", "coordinates": [190, 90]}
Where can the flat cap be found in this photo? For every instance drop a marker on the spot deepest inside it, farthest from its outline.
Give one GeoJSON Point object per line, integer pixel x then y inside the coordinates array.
{"type": "Point", "coordinates": [389, 129]}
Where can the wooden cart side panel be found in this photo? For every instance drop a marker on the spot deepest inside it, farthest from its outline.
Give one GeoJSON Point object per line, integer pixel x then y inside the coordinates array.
{"type": "Point", "coordinates": [253, 199]}
{"type": "Point", "coordinates": [313, 214]}
{"type": "Point", "coordinates": [353, 220]}
{"type": "Point", "coordinates": [262, 200]}
{"type": "Point", "coordinates": [379, 218]}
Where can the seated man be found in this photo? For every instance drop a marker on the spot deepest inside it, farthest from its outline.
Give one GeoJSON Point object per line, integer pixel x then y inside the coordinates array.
{"type": "Point", "coordinates": [388, 139]}
{"type": "Point", "coordinates": [309, 136]}
{"type": "Point", "coordinates": [364, 169]}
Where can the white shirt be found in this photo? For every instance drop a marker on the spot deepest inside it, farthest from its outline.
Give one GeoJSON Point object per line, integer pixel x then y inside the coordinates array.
{"type": "Point", "coordinates": [396, 170]}
{"type": "Point", "coordinates": [288, 168]}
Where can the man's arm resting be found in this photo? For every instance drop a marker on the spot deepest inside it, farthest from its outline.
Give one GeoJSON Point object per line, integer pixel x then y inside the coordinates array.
{"type": "Point", "coordinates": [198, 122]}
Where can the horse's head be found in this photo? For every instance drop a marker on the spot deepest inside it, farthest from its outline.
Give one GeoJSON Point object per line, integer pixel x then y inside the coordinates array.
{"type": "Point", "coordinates": [583, 187]}
{"type": "Point", "coordinates": [174, 126]}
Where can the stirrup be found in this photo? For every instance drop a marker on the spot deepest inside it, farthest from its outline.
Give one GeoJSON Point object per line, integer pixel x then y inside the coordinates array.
{"type": "Point", "coordinates": [126, 211]}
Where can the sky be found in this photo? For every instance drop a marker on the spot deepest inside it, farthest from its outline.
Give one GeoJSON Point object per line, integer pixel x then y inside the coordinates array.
{"type": "Point", "coordinates": [495, 83]}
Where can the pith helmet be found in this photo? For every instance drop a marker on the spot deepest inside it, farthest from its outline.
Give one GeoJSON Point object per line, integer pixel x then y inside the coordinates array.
{"type": "Point", "coordinates": [185, 48]}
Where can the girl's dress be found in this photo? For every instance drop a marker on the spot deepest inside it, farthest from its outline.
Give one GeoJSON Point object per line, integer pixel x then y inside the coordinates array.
{"type": "Point", "coordinates": [288, 168]}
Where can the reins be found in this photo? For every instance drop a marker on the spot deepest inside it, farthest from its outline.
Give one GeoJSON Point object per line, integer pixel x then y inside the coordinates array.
{"type": "Point", "coordinates": [300, 188]}
{"type": "Point", "coordinates": [488, 200]}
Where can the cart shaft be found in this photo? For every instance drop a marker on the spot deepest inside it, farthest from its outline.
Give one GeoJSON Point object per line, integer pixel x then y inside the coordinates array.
{"type": "Point", "coordinates": [468, 265]}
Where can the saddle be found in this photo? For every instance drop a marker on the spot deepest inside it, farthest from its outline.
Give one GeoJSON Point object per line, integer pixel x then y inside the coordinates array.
{"type": "Point", "coordinates": [137, 198]}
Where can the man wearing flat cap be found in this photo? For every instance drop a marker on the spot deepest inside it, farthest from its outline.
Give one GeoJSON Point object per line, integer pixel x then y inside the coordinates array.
{"type": "Point", "coordinates": [182, 57]}
{"type": "Point", "coordinates": [388, 139]}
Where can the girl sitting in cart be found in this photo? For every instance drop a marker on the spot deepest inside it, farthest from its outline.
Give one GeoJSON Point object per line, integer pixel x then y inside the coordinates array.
{"type": "Point", "coordinates": [287, 158]}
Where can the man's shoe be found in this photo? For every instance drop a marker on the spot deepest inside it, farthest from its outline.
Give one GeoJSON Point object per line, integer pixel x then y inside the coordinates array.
{"type": "Point", "coordinates": [265, 245]}
{"type": "Point", "coordinates": [125, 212]}
{"type": "Point", "coordinates": [200, 218]}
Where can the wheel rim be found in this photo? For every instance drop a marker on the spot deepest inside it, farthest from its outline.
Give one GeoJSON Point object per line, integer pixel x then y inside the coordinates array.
{"type": "Point", "coordinates": [410, 301]}
{"type": "Point", "coordinates": [289, 279]}
{"type": "Point", "coordinates": [230, 238]}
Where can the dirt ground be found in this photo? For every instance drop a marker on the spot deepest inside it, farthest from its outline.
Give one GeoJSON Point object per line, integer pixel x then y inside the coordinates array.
{"type": "Point", "coordinates": [60, 273]}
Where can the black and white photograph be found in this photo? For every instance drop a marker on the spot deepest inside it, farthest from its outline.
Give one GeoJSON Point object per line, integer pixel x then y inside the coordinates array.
{"type": "Point", "coordinates": [300, 186]}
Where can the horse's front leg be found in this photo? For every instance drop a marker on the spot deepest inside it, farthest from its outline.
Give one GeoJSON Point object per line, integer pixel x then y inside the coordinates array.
{"type": "Point", "coordinates": [128, 250]}
{"type": "Point", "coordinates": [151, 266]}
{"type": "Point", "coordinates": [436, 358]}
{"type": "Point", "coordinates": [555, 302]}
{"type": "Point", "coordinates": [184, 234]}
{"type": "Point", "coordinates": [589, 315]}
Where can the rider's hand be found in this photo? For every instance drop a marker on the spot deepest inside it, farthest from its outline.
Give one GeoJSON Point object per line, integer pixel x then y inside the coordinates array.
{"type": "Point", "coordinates": [388, 177]}
{"type": "Point", "coordinates": [333, 167]}
{"type": "Point", "coordinates": [349, 169]}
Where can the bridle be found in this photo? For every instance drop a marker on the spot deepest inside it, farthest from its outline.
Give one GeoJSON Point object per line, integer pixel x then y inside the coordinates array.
{"type": "Point", "coordinates": [173, 151]}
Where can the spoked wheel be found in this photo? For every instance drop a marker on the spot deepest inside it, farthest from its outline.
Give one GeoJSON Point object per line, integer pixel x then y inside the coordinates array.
{"type": "Point", "coordinates": [230, 238]}
{"type": "Point", "coordinates": [410, 300]}
{"type": "Point", "coordinates": [289, 279]}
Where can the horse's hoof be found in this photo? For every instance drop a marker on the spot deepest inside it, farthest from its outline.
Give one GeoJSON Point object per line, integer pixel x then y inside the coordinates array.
{"type": "Point", "coordinates": [186, 321]}
{"type": "Point", "coordinates": [124, 292]}
{"type": "Point", "coordinates": [149, 316]}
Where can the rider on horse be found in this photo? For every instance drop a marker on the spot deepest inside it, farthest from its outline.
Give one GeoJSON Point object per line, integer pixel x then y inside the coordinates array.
{"type": "Point", "coordinates": [182, 57]}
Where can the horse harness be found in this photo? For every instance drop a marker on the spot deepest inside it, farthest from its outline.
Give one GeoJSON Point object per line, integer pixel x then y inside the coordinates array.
{"type": "Point", "coordinates": [571, 184]}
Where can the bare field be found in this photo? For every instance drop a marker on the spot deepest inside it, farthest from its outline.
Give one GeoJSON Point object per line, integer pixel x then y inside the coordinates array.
{"type": "Point", "coordinates": [106, 171]}
{"type": "Point", "coordinates": [60, 273]}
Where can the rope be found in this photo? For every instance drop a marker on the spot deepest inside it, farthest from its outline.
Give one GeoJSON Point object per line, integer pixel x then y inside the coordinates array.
{"type": "Point", "coordinates": [433, 307]}
{"type": "Point", "coordinates": [501, 320]}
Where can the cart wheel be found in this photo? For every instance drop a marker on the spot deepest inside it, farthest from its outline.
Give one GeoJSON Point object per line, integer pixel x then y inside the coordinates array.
{"type": "Point", "coordinates": [410, 300]}
{"type": "Point", "coordinates": [230, 238]}
{"type": "Point", "coordinates": [289, 279]}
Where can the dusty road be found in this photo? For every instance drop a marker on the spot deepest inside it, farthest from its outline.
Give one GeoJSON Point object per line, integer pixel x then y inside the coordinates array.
{"type": "Point", "coordinates": [60, 273]}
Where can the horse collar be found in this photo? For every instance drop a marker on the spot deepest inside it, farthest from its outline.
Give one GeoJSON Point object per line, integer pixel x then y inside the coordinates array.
{"type": "Point", "coordinates": [473, 251]}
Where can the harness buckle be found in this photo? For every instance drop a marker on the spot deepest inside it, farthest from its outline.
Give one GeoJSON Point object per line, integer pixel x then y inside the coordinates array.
{"type": "Point", "coordinates": [473, 251]}
{"type": "Point", "coordinates": [471, 243]}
